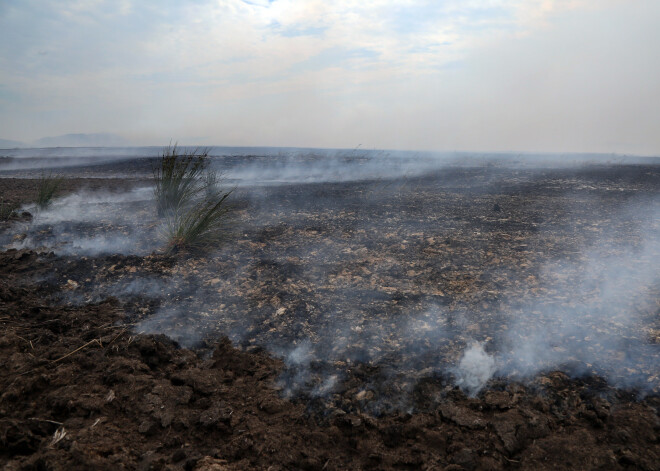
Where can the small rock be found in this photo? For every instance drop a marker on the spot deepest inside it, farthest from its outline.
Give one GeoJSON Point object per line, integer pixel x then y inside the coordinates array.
{"type": "Point", "coordinates": [70, 284]}
{"type": "Point", "coordinates": [272, 405]}
{"type": "Point", "coordinates": [337, 413]}
{"type": "Point", "coordinates": [461, 416]}
{"type": "Point", "coordinates": [364, 395]}
{"type": "Point", "coordinates": [498, 400]}
{"type": "Point", "coordinates": [216, 414]}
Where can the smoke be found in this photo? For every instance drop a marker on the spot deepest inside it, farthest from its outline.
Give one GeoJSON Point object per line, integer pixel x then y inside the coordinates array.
{"type": "Point", "coordinates": [333, 166]}
{"type": "Point", "coordinates": [87, 205]}
{"type": "Point", "coordinates": [25, 161]}
{"type": "Point", "coordinates": [177, 325]}
{"type": "Point", "coordinates": [328, 165]}
{"type": "Point", "coordinates": [250, 166]}
{"type": "Point", "coordinates": [298, 372]}
{"type": "Point", "coordinates": [594, 318]}
{"type": "Point", "coordinates": [338, 297]}
{"type": "Point", "coordinates": [124, 289]}
{"type": "Point", "coordinates": [595, 315]}
{"type": "Point", "coordinates": [475, 369]}
{"type": "Point", "coordinates": [94, 223]}
{"type": "Point", "coordinates": [584, 318]}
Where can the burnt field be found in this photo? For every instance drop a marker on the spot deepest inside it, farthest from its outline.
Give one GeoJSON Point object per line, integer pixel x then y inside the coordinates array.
{"type": "Point", "coordinates": [462, 317]}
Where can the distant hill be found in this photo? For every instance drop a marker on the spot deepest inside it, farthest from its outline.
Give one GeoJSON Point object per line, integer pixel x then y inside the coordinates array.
{"type": "Point", "coordinates": [9, 144]}
{"type": "Point", "coordinates": [83, 140]}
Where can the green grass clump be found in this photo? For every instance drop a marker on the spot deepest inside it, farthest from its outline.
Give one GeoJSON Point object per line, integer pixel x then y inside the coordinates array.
{"type": "Point", "coordinates": [48, 186]}
{"type": "Point", "coordinates": [6, 210]}
{"type": "Point", "coordinates": [181, 178]}
{"type": "Point", "coordinates": [199, 227]}
{"type": "Point", "coordinates": [189, 198]}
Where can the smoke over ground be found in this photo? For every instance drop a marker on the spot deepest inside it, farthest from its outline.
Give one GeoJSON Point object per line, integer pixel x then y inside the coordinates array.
{"type": "Point", "coordinates": [475, 369]}
{"type": "Point", "coordinates": [93, 223]}
{"type": "Point", "coordinates": [403, 283]}
{"type": "Point", "coordinates": [597, 311]}
{"type": "Point", "coordinates": [368, 287]}
{"type": "Point", "coordinates": [275, 165]}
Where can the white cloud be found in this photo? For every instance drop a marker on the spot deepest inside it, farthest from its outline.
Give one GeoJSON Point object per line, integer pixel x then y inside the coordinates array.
{"type": "Point", "coordinates": [454, 74]}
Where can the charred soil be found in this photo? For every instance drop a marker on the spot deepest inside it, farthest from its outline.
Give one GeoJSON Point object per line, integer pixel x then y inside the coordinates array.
{"type": "Point", "coordinates": [83, 388]}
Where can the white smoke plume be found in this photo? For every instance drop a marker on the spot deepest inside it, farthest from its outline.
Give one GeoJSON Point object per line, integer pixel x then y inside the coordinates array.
{"type": "Point", "coordinates": [94, 223]}
{"type": "Point", "coordinates": [595, 309]}
{"type": "Point", "coordinates": [474, 369]}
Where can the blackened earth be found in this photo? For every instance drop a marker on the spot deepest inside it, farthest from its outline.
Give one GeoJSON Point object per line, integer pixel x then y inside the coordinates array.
{"type": "Point", "coordinates": [379, 286]}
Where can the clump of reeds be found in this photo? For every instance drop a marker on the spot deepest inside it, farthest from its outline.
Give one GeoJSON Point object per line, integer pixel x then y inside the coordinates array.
{"type": "Point", "coordinates": [47, 187]}
{"type": "Point", "coordinates": [189, 198]}
{"type": "Point", "coordinates": [199, 227]}
{"type": "Point", "coordinates": [6, 210]}
{"type": "Point", "coordinates": [180, 178]}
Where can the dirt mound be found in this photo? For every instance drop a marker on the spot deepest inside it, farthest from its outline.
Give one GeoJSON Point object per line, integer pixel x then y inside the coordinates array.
{"type": "Point", "coordinates": [81, 391]}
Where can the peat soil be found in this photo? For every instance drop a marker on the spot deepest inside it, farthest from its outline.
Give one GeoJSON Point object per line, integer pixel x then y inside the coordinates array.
{"type": "Point", "coordinates": [378, 286]}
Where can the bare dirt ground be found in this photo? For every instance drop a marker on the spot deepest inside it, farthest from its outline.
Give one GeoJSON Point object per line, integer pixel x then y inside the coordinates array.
{"type": "Point", "coordinates": [348, 306]}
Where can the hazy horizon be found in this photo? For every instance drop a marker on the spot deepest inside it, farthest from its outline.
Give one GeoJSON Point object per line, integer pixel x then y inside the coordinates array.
{"type": "Point", "coordinates": [267, 150]}
{"type": "Point", "coordinates": [564, 76]}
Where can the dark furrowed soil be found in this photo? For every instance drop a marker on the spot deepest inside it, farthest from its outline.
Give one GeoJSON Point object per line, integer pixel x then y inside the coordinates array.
{"type": "Point", "coordinates": [17, 191]}
{"type": "Point", "coordinates": [81, 390]}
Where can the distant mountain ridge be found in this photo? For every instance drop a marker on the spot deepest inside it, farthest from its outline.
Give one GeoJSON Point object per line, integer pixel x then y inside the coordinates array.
{"type": "Point", "coordinates": [83, 140]}
{"type": "Point", "coordinates": [9, 144]}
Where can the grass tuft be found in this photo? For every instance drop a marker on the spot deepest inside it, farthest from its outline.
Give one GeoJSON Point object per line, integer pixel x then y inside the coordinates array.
{"type": "Point", "coordinates": [48, 186]}
{"type": "Point", "coordinates": [180, 179]}
{"type": "Point", "coordinates": [189, 198]}
{"type": "Point", "coordinates": [200, 227]}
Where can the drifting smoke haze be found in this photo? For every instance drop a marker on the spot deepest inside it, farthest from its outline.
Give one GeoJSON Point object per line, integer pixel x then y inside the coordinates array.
{"type": "Point", "coordinates": [586, 311]}
{"type": "Point", "coordinates": [90, 223]}
{"type": "Point", "coordinates": [595, 327]}
{"type": "Point", "coordinates": [252, 166]}
{"type": "Point", "coordinates": [599, 322]}
{"type": "Point", "coordinates": [13, 161]}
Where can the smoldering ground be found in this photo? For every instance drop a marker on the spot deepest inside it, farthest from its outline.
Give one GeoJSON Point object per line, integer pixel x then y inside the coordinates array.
{"type": "Point", "coordinates": [402, 283]}
{"type": "Point", "coordinates": [393, 280]}
{"type": "Point", "coordinates": [595, 313]}
{"type": "Point", "coordinates": [92, 223]}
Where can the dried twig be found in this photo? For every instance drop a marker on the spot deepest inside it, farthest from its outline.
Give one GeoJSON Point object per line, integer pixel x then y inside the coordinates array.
{"type": "Point", "coordinates": [116, 337]}
{"type": "Point", "coordinates": [26, 341]}
{"type": "Point", "coordinates": [59, 434]}
{"type": "Point", "coordinates": [78, 349]}
{"type": "Point", "coordinates": [46, 420]}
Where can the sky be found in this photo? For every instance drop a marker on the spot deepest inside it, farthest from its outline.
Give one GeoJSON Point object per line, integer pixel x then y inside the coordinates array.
{"type": "Point", "coordinates": [488, 75]}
